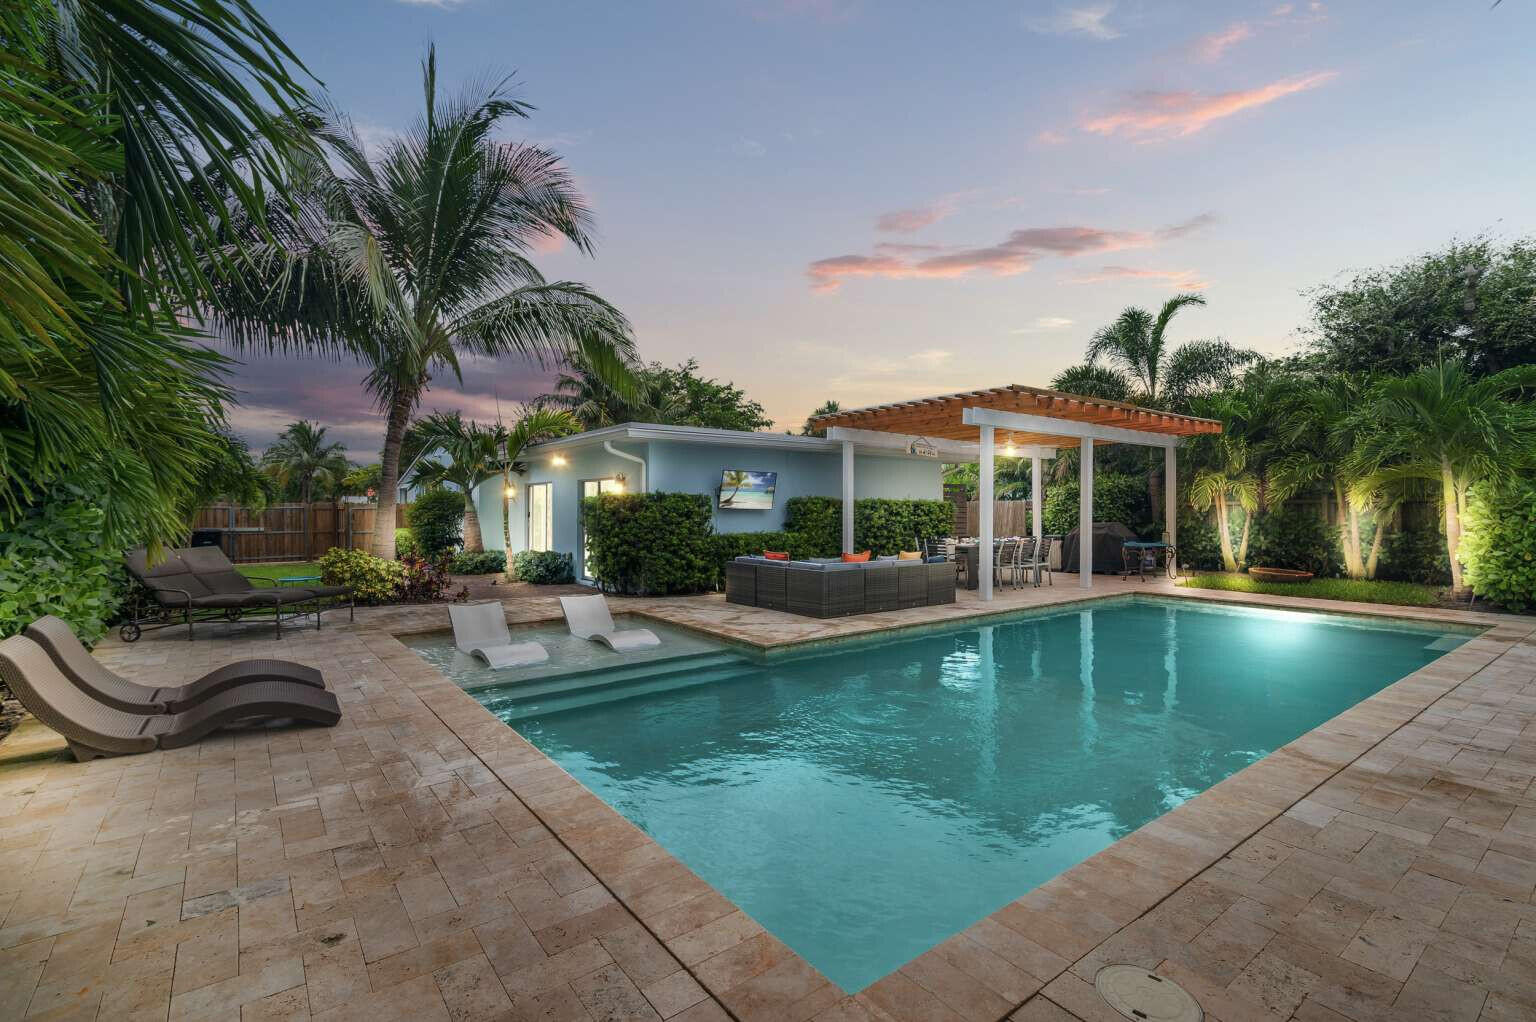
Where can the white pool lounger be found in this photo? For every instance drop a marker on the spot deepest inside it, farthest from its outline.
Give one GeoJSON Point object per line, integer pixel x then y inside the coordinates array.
{"type": "Point", "coordinates": [480, 630]}
{"type": "Point", "coordinates": [588, 618]}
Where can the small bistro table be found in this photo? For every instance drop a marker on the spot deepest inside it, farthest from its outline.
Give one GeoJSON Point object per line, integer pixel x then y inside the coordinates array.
{"type": "Point", "coordinates": [1145, 553]}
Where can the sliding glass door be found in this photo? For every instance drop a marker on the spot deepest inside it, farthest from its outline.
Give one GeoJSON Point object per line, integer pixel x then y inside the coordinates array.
{"type": "Point", "coordinates": [592, 488]}
{"type": "Point", "coordinates": [540, 516]}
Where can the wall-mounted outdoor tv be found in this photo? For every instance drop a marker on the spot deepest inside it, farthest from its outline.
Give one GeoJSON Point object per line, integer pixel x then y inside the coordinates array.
{"type": "Point", "coordinates": [744, 490]}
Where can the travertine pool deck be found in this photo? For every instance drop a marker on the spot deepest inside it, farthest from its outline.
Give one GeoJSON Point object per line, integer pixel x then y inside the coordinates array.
{"type": "Point", "coordinates": [421, 860]}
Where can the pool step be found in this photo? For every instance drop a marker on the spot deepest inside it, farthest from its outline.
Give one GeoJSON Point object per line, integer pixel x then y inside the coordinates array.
{"type": "Point", "coordinates": [618, 667]}
{"type": "Point", "coordinates": [545, 697]}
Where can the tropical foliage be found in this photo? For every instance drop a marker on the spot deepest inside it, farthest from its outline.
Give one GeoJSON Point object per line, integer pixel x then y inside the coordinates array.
{"type": "Point", "coordinates": [677, 396]}
{"type": "Point", "coordinates": [118, 123]}
{"type": "Point", "coordinates": [436, 519]}
{"type": "Point", "coordinates": [543, 567]}
{"type": "Point", "coordinates": [304, 464]}
{"type": "Point", "coordinates": [416, 255]}
{"type": "Point", "coordinates": [1499, 545]}
{"type": "Point", "coordinates": [55, 560]}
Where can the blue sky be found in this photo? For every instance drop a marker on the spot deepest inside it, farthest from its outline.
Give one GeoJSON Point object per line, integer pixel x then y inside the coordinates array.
{"type": "Point", "coordinates": [870, 201]}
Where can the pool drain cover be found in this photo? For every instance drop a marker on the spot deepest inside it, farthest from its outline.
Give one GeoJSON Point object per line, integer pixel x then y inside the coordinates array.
{"type": "Point", "coordinates": [1136, 993]}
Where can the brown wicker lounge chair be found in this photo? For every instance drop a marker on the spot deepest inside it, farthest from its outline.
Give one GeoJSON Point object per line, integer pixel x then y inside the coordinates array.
{"type": "Point", "coordinates": [92, 676]}
{"type": "Point", "coordinates": [95, 729]}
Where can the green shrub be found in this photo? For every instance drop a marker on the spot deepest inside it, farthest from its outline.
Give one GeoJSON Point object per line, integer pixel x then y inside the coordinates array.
{"type": "Point", "coordinates": [651, 544]}
{"type": "Point", "coordinates": [1355, 590]}
{"type": "Point", "coordinates": [1418, 555]}
{"type": "Point", "coordinates": [483, 563]}
{"type": "Point", "coordinates": [1295, 539]}
{"type": "Point", "coordinates": [371, 579]}
{"type": "Point", "coordinates": [1117, 497]}
{"type": "Point", "coordinates": [53, 561]}
{"type": "Point", "coordinates": [436, 517]}
{"type": "Point", "coordinates": [727, 546]}
{"type": "Point", "coordinates": [1199, 544]}
{"type": "Point", "coordinates": [544, 567]}
{"type": "Point", "coordinates": [883, 525]}
{"type": "Point", "coordinates": [1498, 543]}
{"type": "Point", "coordinates": [405, 542]}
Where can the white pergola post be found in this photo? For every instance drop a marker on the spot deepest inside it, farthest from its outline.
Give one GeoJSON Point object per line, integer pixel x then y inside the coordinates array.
{"type": "Point", "coordinates": [1171, 493]}
{"type": "Point", "coordinates": [985, 499]}
{"type": "Point", "coordinates": [1085, 513]}
{"type": "Point", "coordinates": [848, 497]}
{"type": "Point", "coordinates": [1034, 498]}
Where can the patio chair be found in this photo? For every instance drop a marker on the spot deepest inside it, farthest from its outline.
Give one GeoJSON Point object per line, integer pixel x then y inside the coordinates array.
{"type": "Point", "coordinates": [220, 575]}
{"type": "Point", "coordinates": [480, 631]}
{"type": "Point", "coordinates": [93, 729]}
{"type": "Point", "coordinates": [93, 677]}
{"type": "Point", "coordinates": [176, 587]}
{"type": "Point", "coordinates": [588, 618]}
{"type": "Point", "coordinates": [1005, 553]}
{"type": "Point", "coordinates": [1039, 561]}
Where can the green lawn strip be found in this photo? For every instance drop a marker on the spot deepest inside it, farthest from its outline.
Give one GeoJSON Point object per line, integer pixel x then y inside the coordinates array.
{"type": "Point", "coordinates": [280, 569]}
{"type": "Point", "coordinates": [1404, 594]}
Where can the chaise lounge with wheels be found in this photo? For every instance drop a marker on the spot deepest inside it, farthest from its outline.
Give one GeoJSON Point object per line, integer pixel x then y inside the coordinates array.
{"type": "Point", "coordinates": [201, 584]}
{"type": "Point", "coordinates": [480, 631]}
{"type": "Point", "coordinates": [94, 678]}
{"type": "Point", "coordinates": [587, 617]}
{"type": "Point", "coordinates": [93, 729]}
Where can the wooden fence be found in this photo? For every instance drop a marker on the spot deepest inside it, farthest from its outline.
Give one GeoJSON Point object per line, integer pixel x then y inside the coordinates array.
{"type": "Point", "coordinates": [289, 532]}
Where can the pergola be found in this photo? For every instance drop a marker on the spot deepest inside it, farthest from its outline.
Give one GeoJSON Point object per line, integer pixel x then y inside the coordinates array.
{"type": "Point", "coordinates": [1028, 422]}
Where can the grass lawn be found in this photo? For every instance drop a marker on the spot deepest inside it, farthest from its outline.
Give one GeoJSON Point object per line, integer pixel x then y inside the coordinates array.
{"type": "Point", "coordinates": [1403, 594]}
{"type": "Point", "coordinates": [280, 569]}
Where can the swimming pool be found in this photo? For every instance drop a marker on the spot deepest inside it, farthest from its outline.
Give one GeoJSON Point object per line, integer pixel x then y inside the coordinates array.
{"type": "Point", "coordinates": [866, 802]}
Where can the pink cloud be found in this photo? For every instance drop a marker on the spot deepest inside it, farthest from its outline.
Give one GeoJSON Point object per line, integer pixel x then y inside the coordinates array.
{"type": "Point", "coordinates": [1211, 47]}
{"type": "Point", "coordinates": [1155, 116]}
{"type": "Point", "coordinates": [905, 221]}
{"type": "Point", "coordinates": [1049, 137]}
{"type": "Point", "coordinates": [1182, 280]}
{"type": "Point", "coordinates": [1017, 253]}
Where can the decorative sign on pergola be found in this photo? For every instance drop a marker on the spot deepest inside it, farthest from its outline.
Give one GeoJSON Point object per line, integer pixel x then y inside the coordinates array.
{"type": "Point", "coordinates": [1027, 422]}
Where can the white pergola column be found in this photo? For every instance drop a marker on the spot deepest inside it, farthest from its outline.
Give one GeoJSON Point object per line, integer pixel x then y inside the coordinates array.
{"type": "Point", "coordinates": [1171, 493]}
{"type": "Point", "coordinates": [848, 497]}
{"type": "Point", "coordinates": [1085, 513]}
{"type": "Point", "coordinates": [1034, 499]}
{"type": "Point", "coordinates": [985, 499]}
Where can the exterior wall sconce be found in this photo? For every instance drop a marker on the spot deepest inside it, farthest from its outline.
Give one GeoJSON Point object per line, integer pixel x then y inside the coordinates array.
{"type": "Point", "coordinates": [557, 460]}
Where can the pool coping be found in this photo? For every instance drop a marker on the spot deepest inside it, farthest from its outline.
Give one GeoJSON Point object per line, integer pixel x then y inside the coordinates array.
{"type": "Point", "coordinates": [996, 965]}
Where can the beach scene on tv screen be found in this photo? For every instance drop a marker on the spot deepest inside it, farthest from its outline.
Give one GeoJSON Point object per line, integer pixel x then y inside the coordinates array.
{"type": "Point", "coordinates": [741, 490]}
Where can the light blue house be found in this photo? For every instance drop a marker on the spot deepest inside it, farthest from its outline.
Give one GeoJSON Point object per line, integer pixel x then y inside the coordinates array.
{"type": "Point", "coordinates": [639, 457]}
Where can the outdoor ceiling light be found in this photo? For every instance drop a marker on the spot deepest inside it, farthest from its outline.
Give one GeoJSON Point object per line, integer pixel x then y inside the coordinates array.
{"type": "Point", "coordinates": [1010, 450]}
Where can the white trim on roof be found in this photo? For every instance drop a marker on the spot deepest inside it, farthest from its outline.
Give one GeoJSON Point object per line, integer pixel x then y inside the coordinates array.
{"type": "Point", "coordinates": [698, 435]}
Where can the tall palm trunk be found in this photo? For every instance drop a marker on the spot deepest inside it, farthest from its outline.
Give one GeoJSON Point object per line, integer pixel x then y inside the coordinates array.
{"type": "Point", "coordinates": [1349, 530]}
{"type": "Point", "coordinates": [389, 477]}
{"type": "Point", "coordinates": [1452, 502]}
{"type": "Point", "coordinates": [1374, 557]}
{"type": "Point", "coordinates": [1242, 547]}
{"type": "Point", "coordinates": [473, 542]}
{"type": "Point", "coordinates": [1224, 533]}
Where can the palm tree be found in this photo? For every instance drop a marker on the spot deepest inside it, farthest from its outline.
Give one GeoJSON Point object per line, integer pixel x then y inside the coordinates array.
{"type": "Point", "coordinates": [1222, 475]}
{"type": "Point", "coordinates": [1442, 425]}
{"type": "Point", "coordinates": [300, 458]}
{"type": "Point", "coordinates": [1090, 380]}
{"type": "Point", "coordinates": [117, 118]}
{"type": "Point", "coordinates": [825, 408]}
{"type": "Point", "coordinates": [584, 390]}
{"type": "Point", "coordinates": [477, 453]}
{"type": "Point", "coordinates": [1136, 344]}
{"type": "Point", "coordinates": [735, 479]}
{"type": "Point", "coordinates": [409, 259]}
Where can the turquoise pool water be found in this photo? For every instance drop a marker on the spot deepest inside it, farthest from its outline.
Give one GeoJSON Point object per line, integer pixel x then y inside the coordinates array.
{"type": "Point", "coordinates": [865, 803]}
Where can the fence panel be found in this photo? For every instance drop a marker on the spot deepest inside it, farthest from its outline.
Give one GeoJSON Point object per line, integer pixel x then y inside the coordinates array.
{"type": "Point", "coordinates": [1009, 518]}
{"type": "Point", "coordinates": [289, 532]}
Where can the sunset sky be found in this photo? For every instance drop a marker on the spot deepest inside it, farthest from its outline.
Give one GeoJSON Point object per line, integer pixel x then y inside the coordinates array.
{"type": "Point", "coordinates": [870, 201]}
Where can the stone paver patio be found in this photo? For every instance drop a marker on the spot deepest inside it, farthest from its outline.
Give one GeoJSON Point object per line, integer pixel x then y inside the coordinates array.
{"type": "Point", "coordinates": [421, 860]}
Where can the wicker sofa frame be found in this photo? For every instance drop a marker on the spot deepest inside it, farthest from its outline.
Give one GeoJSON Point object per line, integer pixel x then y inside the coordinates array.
{"type": "Point", "coordinates": [824, 588]}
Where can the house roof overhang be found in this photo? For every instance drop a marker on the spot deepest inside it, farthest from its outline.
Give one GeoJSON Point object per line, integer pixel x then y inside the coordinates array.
{"type": "Point", "coordinates": [1023, 416]}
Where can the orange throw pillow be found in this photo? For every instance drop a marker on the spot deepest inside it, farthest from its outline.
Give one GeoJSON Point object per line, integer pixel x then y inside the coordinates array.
{"type": "Point", "coordinates": [776, 555]}
{"type": "Point", "coordinates": [856, 558]}
{"type": "Point", "coordinates": [908, 555]}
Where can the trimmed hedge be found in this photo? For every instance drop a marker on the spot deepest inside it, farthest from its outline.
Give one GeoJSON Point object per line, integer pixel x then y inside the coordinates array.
{"type": "Point", "coordinates": [483, 563]}
{"type": "Point", "coordinates": [662, 543]}
{"type": "Point", "coordinates": [53, 560]}
{"type": "Point", "coordinates": [649, 544]}
{"type": "Point", "coordinates": [1117, 497]}
{"type": "Point", "coordinates": [1295, 539]}
{"type": "Point", "coordinates": [544, 567]}
{"type": "Point", "coordinates": [1498, 544]}
{"type": "Point", "coordinates": [436, 519]}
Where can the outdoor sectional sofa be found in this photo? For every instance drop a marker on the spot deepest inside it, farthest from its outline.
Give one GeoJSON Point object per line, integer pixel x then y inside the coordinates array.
{"type": "Point", "coordinates": [828, 587]}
